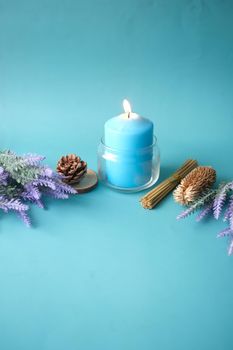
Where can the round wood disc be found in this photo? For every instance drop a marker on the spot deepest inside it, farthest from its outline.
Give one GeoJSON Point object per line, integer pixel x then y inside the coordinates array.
{"type": "Point", "coordinates": [87, 183]}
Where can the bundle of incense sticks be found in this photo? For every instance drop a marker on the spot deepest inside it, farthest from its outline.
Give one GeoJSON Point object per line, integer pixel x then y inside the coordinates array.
{"type": "Point", "coordinates": [152, 198]}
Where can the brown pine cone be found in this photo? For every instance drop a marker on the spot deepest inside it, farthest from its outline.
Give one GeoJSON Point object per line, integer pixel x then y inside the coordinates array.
{"type": "Point", "coordinates": [72, 168]}
{"type": "Point", "coordinates": [192, 186]}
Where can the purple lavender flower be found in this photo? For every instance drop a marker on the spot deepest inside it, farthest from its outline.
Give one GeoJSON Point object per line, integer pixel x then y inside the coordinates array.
{"type": "Point", "coordinates": [204, 212]}
{"type": "Point", "coordinates": [47, 182]}
{"type": "Point", "coordinates": [220, 199]}
{"type": "Point", "coordinates": [47, 172]}
{"type": "Point", "coordinates": [230, 248]}
{"type": "Point", "coordinates": [39, 203]}
{"type": "Point", "coordinates": [226, 214]}
{"type": "Point", "coordinates": [52, 186]}
{"type": "Point", "coordinates": [230, 212]}
{"type": "Point", "coordinates": [57, 194]}
{"type": "Point", "coordinates": [185, 213]}
{"type": "Point", "coordinates": [32, 159]}
{"type": "Point", "coordinates": [215, 201]}
{"type": "Point", "coordinates": [226, 232]}
{"type": "Point", "coordinates": [26, 179]}
{"type": "Point", "coordinates": [12, 204]}
{"type": "Point", "coordinates": [62, 187]}
{"type": "Point", "coordinates": [31, 192]}
{"type": "Point", "coordinates": [29, 197]}
{"type": "Point", "coordinates": [24, 216]}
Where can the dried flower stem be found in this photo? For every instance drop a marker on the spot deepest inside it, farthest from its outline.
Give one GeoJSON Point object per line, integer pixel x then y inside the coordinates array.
{"type": "Point", "coordinates": [152, 198]}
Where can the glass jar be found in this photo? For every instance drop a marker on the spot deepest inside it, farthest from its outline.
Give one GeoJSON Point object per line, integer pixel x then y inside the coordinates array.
{"type": "Point", "coordinates": [129, 170]}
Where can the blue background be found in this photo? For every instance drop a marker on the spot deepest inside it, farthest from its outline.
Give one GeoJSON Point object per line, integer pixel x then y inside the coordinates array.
{"type": "Point", "coordinates": [97, 271]}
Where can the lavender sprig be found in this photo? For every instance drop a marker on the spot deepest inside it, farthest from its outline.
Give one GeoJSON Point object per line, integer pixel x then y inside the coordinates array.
{"type": "Point", "coordinates": [25, 178]}
{"type": "Point", "coordinates": [226, 232]}
{"type": "Point", "coordinates": [24, 216]}
{"type": "Point", "coordinates": [230, 248]}
{"type": "Point", "coordinates": [47, 172]}
{"type": "Point", "coordinates": [12, 204]}
{"type": "Point", "coordinates": [185, 213]}
{"type": "Point", "coordinates": [39, 203]}
{"type": "Point", "coordinates": [32, 159]}
{"type": "Point", "coordinates": [31, 192]}
{"type": "Point", "coordinates": [204, 212]}
{"type": "Point", "coordinates": [230, 212]}
{"type": "Point", "coordinates": [47, 182]}
{"type": "Point", "coordinates": [214, 201]}
{"type": "Point", "coordinates": [55, 194]}
{"type": "Point", "coordinates": [226, 214]}
{"type": "Point", "coordinates": [62, 187]}
{"type": "Point", "coordinates": [203, 200]}
{"type": "Point", "coordinates": [220, 199]}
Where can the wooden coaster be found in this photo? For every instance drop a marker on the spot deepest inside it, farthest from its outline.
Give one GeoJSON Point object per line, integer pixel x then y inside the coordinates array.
{"type": "Point", "coordinates": [87, 183]}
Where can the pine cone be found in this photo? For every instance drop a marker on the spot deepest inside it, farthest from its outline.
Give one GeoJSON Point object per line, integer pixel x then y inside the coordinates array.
{"type": "Point", "coordinates": [191, 187]}
{"type": "Point", "coordinates": [72, 168]}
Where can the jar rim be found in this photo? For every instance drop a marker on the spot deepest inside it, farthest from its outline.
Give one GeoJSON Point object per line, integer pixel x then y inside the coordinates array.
{"type": "Point", "coordinates": [139, 149]}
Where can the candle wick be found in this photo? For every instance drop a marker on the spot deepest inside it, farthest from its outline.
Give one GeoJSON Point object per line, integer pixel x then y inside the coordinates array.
{"type": "Point", "coordinates": [128, 115]}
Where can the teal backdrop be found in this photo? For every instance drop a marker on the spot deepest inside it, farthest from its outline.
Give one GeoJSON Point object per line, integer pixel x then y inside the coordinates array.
{"type": "Point", "coordinates": [98, 272]}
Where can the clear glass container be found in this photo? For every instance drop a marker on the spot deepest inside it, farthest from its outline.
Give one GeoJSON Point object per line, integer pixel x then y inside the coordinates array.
{"type": "Point", "coordinates": [129, 170]}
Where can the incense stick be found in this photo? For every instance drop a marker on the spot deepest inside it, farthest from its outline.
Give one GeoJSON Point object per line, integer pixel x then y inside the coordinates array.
{"type": "Point", "coordinates": [152, 198]}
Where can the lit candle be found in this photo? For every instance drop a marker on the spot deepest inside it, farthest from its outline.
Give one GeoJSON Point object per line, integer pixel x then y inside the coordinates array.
{"type": "Point", "coordinates": [129, 138]}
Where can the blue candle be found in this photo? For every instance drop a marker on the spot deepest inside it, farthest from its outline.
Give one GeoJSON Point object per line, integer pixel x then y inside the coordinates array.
{"type": "Point", "coordinates": [129, 160]}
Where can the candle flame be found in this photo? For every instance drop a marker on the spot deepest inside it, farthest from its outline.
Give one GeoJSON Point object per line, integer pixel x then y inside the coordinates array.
{"type": "Point", "coordinates": [126, 106]}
